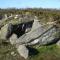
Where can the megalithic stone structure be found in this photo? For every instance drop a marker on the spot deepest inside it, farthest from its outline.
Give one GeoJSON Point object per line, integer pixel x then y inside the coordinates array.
{"type": "Point", "coordinates": [38, 35]}
{"type": "Point", "coordinates": [36, 31]}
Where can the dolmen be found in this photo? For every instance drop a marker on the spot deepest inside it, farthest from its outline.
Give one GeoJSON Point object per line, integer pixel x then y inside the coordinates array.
{"type": "Point", "coordinates": [28, 34]}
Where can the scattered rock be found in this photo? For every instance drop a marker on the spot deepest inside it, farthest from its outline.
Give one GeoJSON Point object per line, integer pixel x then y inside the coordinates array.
{"type": "Point", "coordinates": [51, 36]}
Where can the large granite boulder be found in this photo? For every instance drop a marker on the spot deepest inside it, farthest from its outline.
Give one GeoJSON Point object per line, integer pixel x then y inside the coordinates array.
{"type": "Point", "coordinates": [23, 51]}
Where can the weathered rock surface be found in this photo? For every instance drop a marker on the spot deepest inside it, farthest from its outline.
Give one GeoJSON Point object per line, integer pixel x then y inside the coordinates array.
{"type": "Point", "coordinates": [23, 51]}
{"type": "Point", "coordinates": [39, 35]}
{"type": "Point", "coordinates": [50, 36]}
{"type": "Point", "coordinates": [4, 31]}
{"type": "Point", "coordinates": [35, 32]}
{"type": "Point", "coordinates": [13, 39]}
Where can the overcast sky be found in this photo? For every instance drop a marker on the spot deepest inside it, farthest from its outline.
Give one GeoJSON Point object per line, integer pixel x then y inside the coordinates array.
{"type": "Point", "coordinates": [30, 3]}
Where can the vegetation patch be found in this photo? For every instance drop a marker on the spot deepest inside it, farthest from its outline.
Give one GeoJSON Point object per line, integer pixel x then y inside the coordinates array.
{"type": "Point", "coordinates": [51, 52]}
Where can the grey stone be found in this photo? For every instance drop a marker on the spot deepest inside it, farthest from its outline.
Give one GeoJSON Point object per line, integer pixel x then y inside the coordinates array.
{"type": "Point", "coordinates": [49, 36]}
{"type": "Point", "coordinates": [23, 51]}
{"type": "Point", "coordinates": [4, 31]}
{"type": "Point", "coordinates": [36, 41]}
{"type": "Point", "coordinates": [13, 39]}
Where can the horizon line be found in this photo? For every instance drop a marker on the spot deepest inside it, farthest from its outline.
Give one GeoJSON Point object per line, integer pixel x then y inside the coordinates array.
{"type": "Point", "coordinates": [29, 8]}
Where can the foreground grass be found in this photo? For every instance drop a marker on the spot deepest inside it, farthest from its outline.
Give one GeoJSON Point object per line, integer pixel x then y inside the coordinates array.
{"type": "Point", "coordinates": [51, 52]}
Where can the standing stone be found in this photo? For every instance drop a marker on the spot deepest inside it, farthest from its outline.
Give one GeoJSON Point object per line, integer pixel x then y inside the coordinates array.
{"type": "Point", "coordinates": [4, 31]}
{"type": "Point", "coordinates": [23, 51]}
